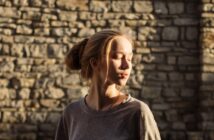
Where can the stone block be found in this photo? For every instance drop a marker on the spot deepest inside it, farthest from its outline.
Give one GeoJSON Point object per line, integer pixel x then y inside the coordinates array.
{"type": "Point", "coordinates": [121, 6]}
{"type": "Point", "coordinates": [3, 83]}
{"type": "Point", "coordinates": [171, 115]}
{"type": "Point", "coordinates": [53, 117]}
{"type": "Point", "coordinates": [85, 32]}
{"type": "Point", "coordinates": [73, 4]}
{"type": "Point", "coordinates": [7, 66]}
{"type": "Point", "coordinates": [24, 93]}
{"type": "Point", "coordinates": [160, 7]}
{"type": "Point", "coordinates": [56, 51]}
{"type": "Point", "coordinates": [39, 51]}
{"type": "Point", "coordinates": [23, 128]}
{"type": "Point", "coordinates": [178, 126]}
{"type": "Point", "coordinates": [188, 60]}
{"type": "Point", "coordinates": [187, 92]}
{"type": "Point", "coordinates": [27, 82]}
{"type": "Point", "coordinates": [195, 136]}
{"type": "Point", "coordinates": [208, 68]}
{"type": "Point", "coordinates": [14, 117]}
{"type": "Point", "coordinates": [32, 14]}
{"type": "Point", "coordinates": [74, 93]}
{"type": "Point", "coordinates": [17, 50]}
{"type": "Point", "coordinates": [36, 117]}
{"type": "Point", "coordinates": [91, 16]}
{"type": "Point", "coordinates": [23, 39]}
{"type": "Point", "coordinates": [170, 92]}
{"type": "Point", "coordinates": [67, 16]}
{"type": "Point", "coordinates": [9, 12]}
{"type": "Point", "coordinates": [161, 107]}
{"type": "Point", "coordinates": [207, 77]}
{"type": "Point", "coordinates": [7, 39]}
{"type": "Point", "coordinates": [5, 50]}
{"type": "Point", "coordinates": [208, 125]}
{"type": "Point", "coordinates": [145, 33]}
{"type": "Point", "coordinates": [186, 21]}
{"type": "Point", "coordinates": [72, 79]}
{"type": "Point", "coordinates": [100, 6]}
{"type": "Point", "coordinates": [36, 3]}
{"type": "Point", "coordinates": [176, 7]}
{"type": "Point", "coordinates": [158, 58]}
{"type": "Point", "coordinates": [54, 93]}
{"type": "Point", "coordinates": [161, 49]}
{"type": "Point", "coordinates": [143, 6]}
{"type": "Point", "coordinates": [42, 31]}
{"type": "Point", "coordinates": [48, 17]}
{"type": "Point", "coordinates": [192, 33]}
{"type": "Point", "coordinates": [170, 33]}
{"type": "Point", "coordinates": [165, 67]}
{"type": "Point", "coordinates": [5, 127]}
{"type": "Point", "coordinates": [49, 103]}
{"type": "Point", "coordinates": [143, 50]}
{"type": "Point", "coordinates": [157, 76]}
{"type": "Point", "coordinates": [208, 59]}
{"type": "Point", "coordinates": [57, 32]}
{"type": "Point", "coordinates": [149, 92]}
{"type": "Point", "coordinates": [27, 136]}
{"type": "Point", "coordinates": [49, 3]}
{"type": "Point", "coordinates": [176, 76]}
{"type": "Point", "coordinates": [20, 2]}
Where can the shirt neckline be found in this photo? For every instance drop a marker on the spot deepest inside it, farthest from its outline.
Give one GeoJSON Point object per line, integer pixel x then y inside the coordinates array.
{"type": "Point", "coordinates": [91, 111]}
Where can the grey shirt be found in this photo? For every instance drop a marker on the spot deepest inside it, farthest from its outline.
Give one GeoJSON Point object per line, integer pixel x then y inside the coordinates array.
{"type": "Point", "coordinates": [131, 120]}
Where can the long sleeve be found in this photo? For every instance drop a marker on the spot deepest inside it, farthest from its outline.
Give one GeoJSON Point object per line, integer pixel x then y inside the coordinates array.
{"type": "Point", "coordinates": [62, 131]}
{"type": "Point", "coordinates": [148, 126]}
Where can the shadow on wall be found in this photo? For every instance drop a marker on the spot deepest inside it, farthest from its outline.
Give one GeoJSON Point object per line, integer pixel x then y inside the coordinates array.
{"type": "Point", "coordinates": [167, 69]}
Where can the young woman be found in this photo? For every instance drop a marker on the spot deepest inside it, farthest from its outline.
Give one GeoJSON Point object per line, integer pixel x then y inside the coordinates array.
{"type": "Point", "coordinates": [105, 113]}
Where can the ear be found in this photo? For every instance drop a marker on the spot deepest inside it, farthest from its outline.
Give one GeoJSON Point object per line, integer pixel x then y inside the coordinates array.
{"type": "Point", "coordinates": [93, 63]}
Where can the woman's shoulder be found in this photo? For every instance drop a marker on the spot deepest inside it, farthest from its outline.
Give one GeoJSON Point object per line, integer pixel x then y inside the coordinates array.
{"type": "Point", "coordinates": [141, 105]}
{"type": "Point", "coordinates": [73, 107]}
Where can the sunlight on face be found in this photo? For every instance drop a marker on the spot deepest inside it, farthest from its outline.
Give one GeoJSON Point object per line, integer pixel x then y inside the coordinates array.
{"type": "Point", "coordinates": [118, 61]}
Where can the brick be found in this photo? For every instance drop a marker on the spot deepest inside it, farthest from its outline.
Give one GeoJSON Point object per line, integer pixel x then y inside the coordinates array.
{"type": "Point", "coordinates": [207, 77]}
{"type": "Point", "coordinates": [9, 12]}
{"type": "Point", "coordinates": [192, 33]}
{"type": "Point", "coordinates": [188, 60]}
{"type": "Point", "coordinates": [186, 21]}
{"type": "Point", "coordinates": [67, 16]}
{"type": "Point", "coordinates": [160, 7]}
{"type": "Point", "coordinates": [176, 7]}
{"type": "Point", "coordinates": [54, 93]}
{"type": "Point", "coordinates": [86, 32]}
{"type": "Point", "coordinates": [170, 33]}
{"type": "Point", "coordinates": [143, 6]}
{"type": "Point", "coordinates": [100, 6]}
{"type": "Point", "coordinates": [24, 93]}
{"type": "Point", "coordinates": [150, 92]}
{"type": "Point", "coordinates": [73, 4]}
{"type": "Point", "coordinates": [121, 6]}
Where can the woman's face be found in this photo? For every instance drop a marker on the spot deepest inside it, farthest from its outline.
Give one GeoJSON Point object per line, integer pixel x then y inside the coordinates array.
{"type": "Point", "coordinates": [117, 65]}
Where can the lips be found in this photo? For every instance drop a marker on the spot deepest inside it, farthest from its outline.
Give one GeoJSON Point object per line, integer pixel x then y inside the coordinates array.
{"type": "Point", "coordinates": [123, 75]}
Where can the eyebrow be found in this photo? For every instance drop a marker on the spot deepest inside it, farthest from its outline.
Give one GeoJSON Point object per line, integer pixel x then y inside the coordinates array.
{"type": "Point", "coordinates": [123, 52]}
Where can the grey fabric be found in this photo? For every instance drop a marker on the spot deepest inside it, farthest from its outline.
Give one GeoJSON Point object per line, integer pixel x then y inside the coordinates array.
{"type": "Point", "coordinates": [131, 120]}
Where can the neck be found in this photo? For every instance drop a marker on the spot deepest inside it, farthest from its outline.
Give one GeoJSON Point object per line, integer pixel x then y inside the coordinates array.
{"type": "Point", "coordinates": [102, 96]}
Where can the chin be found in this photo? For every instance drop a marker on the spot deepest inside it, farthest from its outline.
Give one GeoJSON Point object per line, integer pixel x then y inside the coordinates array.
{"type": "Point", "coordinates": [121, 83]}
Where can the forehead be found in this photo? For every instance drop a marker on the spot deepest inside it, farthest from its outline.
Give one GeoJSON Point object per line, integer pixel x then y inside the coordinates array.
{"type": "Point", "coordinates": [121, 44]}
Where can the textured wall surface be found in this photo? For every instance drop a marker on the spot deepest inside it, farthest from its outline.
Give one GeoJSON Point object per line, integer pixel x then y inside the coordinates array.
{"type": "Point", "coordinates": [173, 67]}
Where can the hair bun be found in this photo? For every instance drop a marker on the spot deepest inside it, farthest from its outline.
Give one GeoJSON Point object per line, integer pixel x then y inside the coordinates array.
{"type": "Point", "coordinates": [73, 58]}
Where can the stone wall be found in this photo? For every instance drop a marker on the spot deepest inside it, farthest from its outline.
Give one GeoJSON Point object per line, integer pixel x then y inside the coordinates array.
{"type": "Point", "coordinates": [172, 72]}
{"type": "Point", "coordinates": [206, 92]}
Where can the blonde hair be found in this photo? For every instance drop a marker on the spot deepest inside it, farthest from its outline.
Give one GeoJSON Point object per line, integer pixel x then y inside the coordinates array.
{"type": "Point", "coordinates": [94, 47]}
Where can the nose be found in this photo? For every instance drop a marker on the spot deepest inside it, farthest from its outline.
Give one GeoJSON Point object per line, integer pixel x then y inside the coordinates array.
{"type": "Point", "coordinates": [125, 64]}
